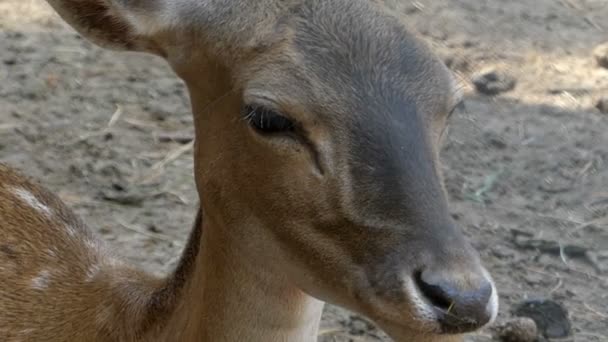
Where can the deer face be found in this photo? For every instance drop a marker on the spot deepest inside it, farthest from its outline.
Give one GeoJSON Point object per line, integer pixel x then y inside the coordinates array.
{"type": "Point", "coordinates": [318, 125]}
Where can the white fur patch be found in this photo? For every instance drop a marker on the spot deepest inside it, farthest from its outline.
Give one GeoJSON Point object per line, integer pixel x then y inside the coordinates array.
{"type": "Point", "coordinates": [26, 332]}
{"type": "Point", "coordinates": [71, 231]}
{"type": "Point", "coordinates": [93, 246]}
{"type": "Point", "coordinates": [51, 253]}
{"type": "Point", "coordinates": [92, 272]}
{"type": "Point", "coordinates": [31, 200]}
{"type": "Point", "coordinates": [493, 304]}
{"type": "Point", "coordinates": [41, 281]}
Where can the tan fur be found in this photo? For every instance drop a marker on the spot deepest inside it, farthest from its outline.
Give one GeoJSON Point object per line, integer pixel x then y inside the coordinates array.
{"type": "Point", "coordinates": [349, 212]}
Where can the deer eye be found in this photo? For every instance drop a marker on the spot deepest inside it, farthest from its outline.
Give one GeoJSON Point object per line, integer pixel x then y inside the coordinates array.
{"type": "Point", "coordinates": [267, 121]}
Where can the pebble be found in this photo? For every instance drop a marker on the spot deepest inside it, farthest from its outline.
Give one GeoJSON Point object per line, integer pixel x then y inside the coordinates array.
{"type": "Point", "coordinates": [9, 61]}
{"type": "Point", "coordinates": [359, 326]}
{"type": "Point", "coordinates": [519, 329]}
{"type": "Point", "coordinates": [457, 63]}
{"type": "Point", "coordinates": [601, 55]}
{"type": "Point", "coordinates": [493, 82]}
{"type": "Point", "coordinates": [502, 252]}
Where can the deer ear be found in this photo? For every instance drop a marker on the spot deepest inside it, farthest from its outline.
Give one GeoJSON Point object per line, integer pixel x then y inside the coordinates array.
{"type": "Point", "coordinates": [114, 24]}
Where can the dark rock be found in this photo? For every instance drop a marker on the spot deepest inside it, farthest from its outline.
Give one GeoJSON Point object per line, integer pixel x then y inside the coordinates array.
{"type": "Point", "coordinates": [493, 82]}
{"type": "Point", "coordinates": [551, 318]}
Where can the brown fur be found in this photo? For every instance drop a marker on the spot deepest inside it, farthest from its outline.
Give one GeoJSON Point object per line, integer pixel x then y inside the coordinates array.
{"type": "Point", "coordinates": [349, 211]}
{"type": "Point", "coordinates": [67, 306]}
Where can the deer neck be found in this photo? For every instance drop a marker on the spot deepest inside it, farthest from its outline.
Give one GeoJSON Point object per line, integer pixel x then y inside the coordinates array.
{"type": "Point", "coordinates": [231, 297]}
{"type": "Point", "coordinates": [221, 291]}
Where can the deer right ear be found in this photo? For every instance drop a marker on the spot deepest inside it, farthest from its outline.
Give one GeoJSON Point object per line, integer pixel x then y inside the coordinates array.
{"type": "Point", "coordinates": [114, 24]}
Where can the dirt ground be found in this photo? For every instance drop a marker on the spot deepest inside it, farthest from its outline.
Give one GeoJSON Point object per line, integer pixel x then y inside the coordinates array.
{"type": "Point", "coordinates": [532, 160]}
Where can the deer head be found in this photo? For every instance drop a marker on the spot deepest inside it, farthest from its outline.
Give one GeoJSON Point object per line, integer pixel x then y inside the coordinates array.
{"type": "Point", "coordinates": [318, 126]}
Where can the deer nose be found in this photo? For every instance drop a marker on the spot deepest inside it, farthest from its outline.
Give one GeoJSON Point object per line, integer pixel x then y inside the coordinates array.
{"type": "Point", "coordinates": [459, 309]}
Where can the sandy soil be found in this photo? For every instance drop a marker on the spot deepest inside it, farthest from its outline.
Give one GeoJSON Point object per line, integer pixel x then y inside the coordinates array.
{"type": "Point", "coordinates": [533, 160]}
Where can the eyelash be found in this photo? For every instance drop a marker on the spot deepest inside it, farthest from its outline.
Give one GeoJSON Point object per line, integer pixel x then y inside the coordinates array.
{"type": "Point", "coordinates": [267, 121]}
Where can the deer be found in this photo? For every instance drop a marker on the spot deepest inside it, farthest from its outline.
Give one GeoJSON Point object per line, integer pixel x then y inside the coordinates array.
{"type": "Point", "coordinates": [318, 126]}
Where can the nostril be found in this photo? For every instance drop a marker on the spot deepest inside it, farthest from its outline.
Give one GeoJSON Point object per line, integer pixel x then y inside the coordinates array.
{"type": "Point", "coordinates": [459, 310]}
{"type": "Point", "coordinates": [434, 293]}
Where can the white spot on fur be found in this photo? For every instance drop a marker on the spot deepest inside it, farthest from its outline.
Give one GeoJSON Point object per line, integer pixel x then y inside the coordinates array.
{"type": "Point", "coordinates": [26, 331]}
{"type": "Point", "coordinates": [51, 253]}
{"type": "Point", "coordinates": [112, 262]}
{"type": "Point", "coordinates": [92, 245]}
{"type": "Point", "coordinates": [92, 272]}
{"type": "Point", "coordinates": [32, 201]}
{"type": "Point", "coordinates": [71, 231]}
{"type": "Point", "coordinates": [41, 281]}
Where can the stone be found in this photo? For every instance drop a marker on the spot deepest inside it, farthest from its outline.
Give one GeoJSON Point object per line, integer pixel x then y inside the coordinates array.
{"type": "Point", "coordinates": [600, 53]}
{"type": "Point", "coordinates": [602, 105]}
{"type": "Point", "coordinates": [519, 329]}
{"type": "Point", "coordinates": [493, 82]}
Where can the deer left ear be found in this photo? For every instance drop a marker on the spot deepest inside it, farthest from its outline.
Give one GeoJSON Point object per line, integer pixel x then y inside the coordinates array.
{"type": "Point", "coordinates": [115, 24]}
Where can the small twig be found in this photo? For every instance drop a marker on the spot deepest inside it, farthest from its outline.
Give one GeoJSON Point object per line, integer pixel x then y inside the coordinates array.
{"type": "Point", "coordinates": [562, 254]}
{"type": "Point", "coordinates": [419, 6]}
{"type": "Point", "coordinates": [539, 215]}
{"type": "Point", "coordinates": [575, 91]}
{"type": "Point", "coordinates": [179, 197]}
{"type": "Point", "coordinates": [559, 284]}
{"type": "Point", "coordinates": [602, 220]}
{"type": "Point", "coordinates": [571, 4]}
{"type": "Point", "coordinates": [139, 124]}
{"type": "Point", "coordinates": [585, 169]}
{"type": "Point", "coordinates": [594, 335]}
{"type": "Point", "coordinates": [595, 311]}
{"type": "Point", "coordinates": [115, 117]}
{"type": "Point", "coordinates": [173, 155]}
{"type": "Point", "coordinates": [593, 23]}
{"type": "Point", "coordinates": [541, 272]}
{"type": "Point", "coordinates": [169, 158]}
{"type": "Point", "coordinates": [488, 184]}
{"type": "Point", "coordinates": [602, 279]}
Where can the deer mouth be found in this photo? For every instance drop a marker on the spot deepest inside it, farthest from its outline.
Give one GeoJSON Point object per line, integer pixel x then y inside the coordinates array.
{"type": "Point", "coordinates": [417, 308]}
